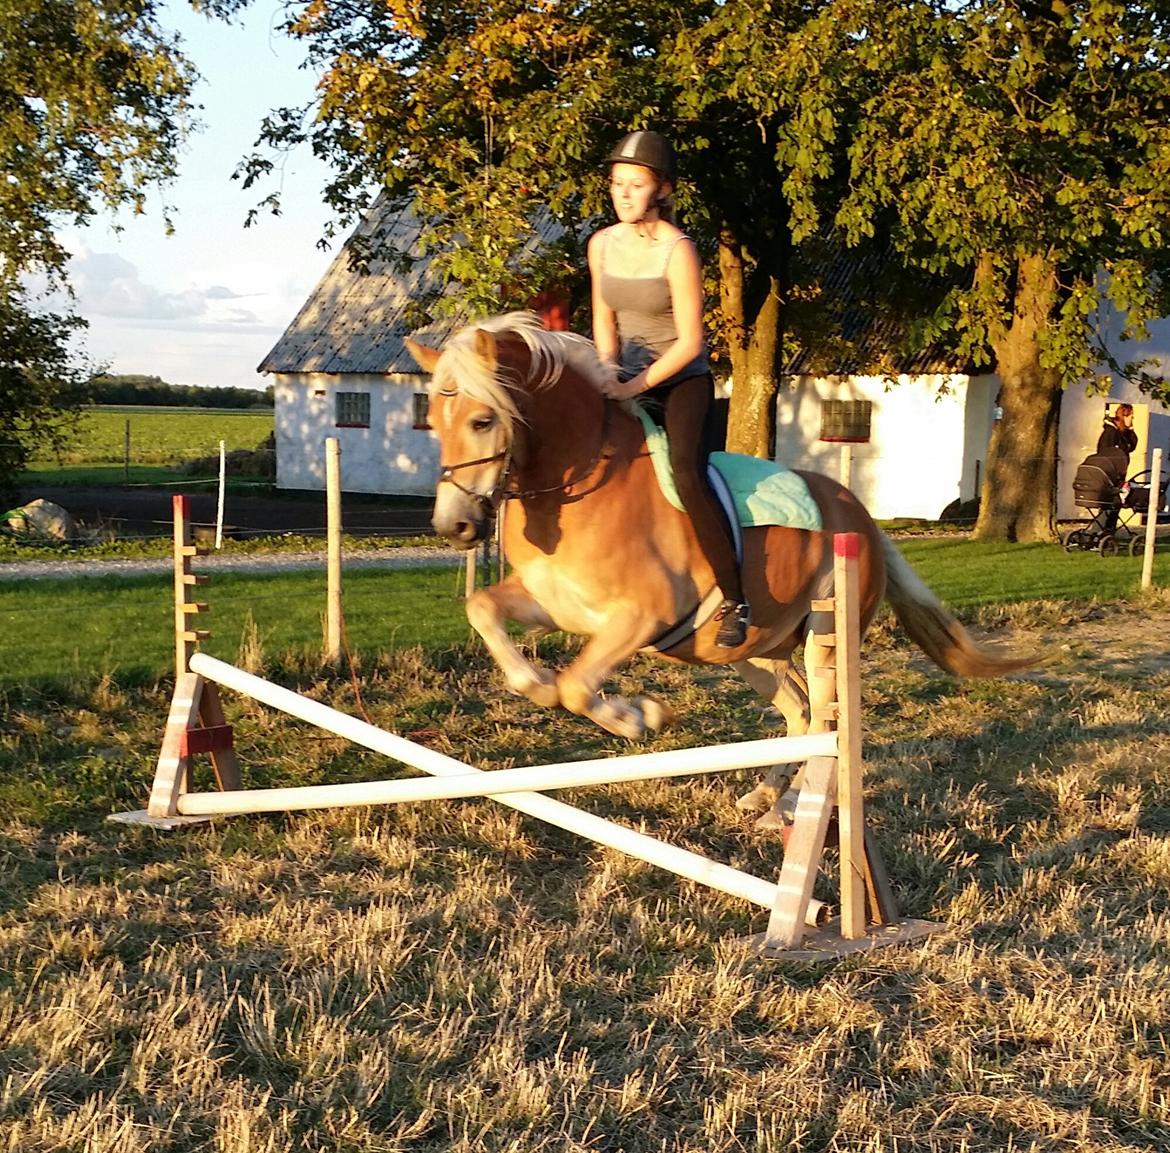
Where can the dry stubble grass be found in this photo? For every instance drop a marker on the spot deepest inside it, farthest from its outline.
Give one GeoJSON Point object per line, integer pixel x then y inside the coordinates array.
{"type": "Point", "coordinates": [457, 977]}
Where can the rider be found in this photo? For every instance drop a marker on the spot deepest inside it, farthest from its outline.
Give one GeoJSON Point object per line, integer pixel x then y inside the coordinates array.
{"type": "Point", "coordinates": [648, 323]}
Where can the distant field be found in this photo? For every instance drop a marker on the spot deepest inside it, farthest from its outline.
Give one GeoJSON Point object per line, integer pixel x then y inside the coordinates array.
{"type": "Point", "coordinates": [160, 436]}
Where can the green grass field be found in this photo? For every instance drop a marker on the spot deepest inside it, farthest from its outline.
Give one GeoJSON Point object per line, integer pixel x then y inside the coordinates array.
{"type": "Point", "coordinates": [159, 436]}
{"type": "Point", "coordinates": [122, 625]}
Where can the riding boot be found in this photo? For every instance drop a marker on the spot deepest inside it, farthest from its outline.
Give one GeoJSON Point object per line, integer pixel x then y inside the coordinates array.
{"type": "Point", "coordinates": [733, 618]}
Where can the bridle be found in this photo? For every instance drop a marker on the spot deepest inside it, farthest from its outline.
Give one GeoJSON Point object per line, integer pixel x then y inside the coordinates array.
{"type": "Point", "coordinates": [490, 502]}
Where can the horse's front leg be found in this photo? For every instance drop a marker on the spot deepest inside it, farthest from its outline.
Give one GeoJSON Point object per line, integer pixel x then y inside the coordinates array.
{"type": "Point", "coordinates": [487, 612]}
{"type": "Point", "coordinates": [622, 635]}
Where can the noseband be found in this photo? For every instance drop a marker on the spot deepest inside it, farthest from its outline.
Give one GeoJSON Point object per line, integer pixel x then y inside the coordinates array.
{"type": "Point", "coordinates": [491, 501]}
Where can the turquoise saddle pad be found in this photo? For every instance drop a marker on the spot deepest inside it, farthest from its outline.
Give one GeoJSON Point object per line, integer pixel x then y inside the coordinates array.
{"type": "Point", "coordinates": [763, 492]}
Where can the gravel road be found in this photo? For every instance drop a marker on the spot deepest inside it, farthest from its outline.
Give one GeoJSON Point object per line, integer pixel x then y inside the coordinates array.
{"type": "Point", "coordinates": [390, 558]}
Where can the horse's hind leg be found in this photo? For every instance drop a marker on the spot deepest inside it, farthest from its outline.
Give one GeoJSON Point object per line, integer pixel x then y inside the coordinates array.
{"type": "Point", "coordinates": [776, 680]}
{"type": "Point", "coordinates": [487, 611]}
{"type": "Point", "coordinates": [817, 692]}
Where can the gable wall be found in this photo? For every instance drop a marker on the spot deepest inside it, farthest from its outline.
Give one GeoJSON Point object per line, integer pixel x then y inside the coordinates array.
{"type": "Point", "coordinates": [928, 438]}
{"type": "Point", "coordinates": [390, 456]}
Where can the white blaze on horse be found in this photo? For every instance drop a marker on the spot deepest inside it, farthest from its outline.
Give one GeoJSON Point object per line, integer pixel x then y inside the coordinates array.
{"type": "Point", "coordinates": [596, 548]}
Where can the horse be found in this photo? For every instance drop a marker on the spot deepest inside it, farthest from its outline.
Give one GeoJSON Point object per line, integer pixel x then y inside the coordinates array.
{"type": "Point", "coordinates": [595, 548]}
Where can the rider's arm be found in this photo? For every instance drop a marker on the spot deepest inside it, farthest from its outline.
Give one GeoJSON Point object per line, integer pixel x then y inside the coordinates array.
{"type": "Point", "coordinates": [605, 330]}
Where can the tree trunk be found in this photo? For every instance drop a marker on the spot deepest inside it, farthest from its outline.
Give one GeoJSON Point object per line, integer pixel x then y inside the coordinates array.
{"type": "Point", "coordinates": [1018, 501]}
{"type": "Point", "coordinates": [753, 343]}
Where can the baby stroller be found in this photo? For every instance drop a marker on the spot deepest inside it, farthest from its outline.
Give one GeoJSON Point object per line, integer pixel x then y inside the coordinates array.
{"type": "Point", "coordinates": [1100, 489]}
{"type": "Point", "coordinates": [1097, 490]}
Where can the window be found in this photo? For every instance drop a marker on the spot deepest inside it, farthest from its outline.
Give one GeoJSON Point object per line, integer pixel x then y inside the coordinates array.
{"type": "Point", "coordinates": [353, 410]}
{"type": "Point", "coordinates": [422, 408]}
{"type": "Point", "coordinates": [845, 420]}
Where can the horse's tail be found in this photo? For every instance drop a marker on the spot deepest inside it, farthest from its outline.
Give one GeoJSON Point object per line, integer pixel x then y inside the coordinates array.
{"type": "Point", "coordinates": [934, 629]}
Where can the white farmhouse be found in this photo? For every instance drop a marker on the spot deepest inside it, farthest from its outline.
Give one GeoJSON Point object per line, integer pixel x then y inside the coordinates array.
{"type": "Point", "coordinates": [918, 442]}
{"type": "Point", "coordinates": [341, 369]}
{"type": "Point", "coordinates": [922, 436]}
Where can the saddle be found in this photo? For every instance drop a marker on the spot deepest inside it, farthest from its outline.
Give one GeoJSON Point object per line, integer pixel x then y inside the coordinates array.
{"type": "Point", "coordinates": [753, 492]}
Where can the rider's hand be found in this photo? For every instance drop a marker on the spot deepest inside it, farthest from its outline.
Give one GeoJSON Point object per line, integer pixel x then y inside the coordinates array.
{"type": "Point", "coordinates": [624, 389]}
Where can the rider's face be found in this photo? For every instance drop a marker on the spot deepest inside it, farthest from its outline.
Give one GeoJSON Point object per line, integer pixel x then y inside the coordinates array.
{"type": "Point", "coordinates": [633, 190]}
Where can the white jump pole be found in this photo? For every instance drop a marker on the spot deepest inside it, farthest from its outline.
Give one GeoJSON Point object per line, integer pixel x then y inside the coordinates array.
{"type": "Point", "coordinates": [681, 862]}
{"type": "Point", "coordinates": [457, 779]}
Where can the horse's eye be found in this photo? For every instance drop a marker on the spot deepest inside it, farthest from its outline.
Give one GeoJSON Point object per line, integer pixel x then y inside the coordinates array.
{"type": "Point", "coordinates": [482, 423]}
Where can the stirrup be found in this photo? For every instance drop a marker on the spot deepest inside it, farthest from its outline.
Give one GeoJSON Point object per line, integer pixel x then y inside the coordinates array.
{"type": "Point", "coordinates": [733, 618]}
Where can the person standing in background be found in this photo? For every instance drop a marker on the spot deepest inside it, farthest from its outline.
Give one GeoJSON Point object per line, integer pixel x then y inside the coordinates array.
{"type": "Point", "coordinates": [1118, 439]}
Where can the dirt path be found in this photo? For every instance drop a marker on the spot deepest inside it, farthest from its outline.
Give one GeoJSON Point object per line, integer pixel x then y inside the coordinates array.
{"type": "Point", "coordinates": [142, 512]}
{"type": "Point", "coordinates": [437, 556]}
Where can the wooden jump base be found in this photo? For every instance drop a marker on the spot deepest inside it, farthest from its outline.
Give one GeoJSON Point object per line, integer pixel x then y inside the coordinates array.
{"type": "Point", "coordinates": [798, 926]}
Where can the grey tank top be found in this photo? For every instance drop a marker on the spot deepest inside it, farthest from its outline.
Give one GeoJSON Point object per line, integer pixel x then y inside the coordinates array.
{"type": "Point", "coordinates": [645, 319]}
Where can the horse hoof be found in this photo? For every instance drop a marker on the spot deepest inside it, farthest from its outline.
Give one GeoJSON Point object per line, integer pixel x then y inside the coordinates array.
{"type": "Point", "coordinates": [656, 714]}
{"type": "Point", "coordinates": [625, 723]}
{"type": "Point", "coordinates": [538, 687]}
{"type": "Point", "coordinates": [773, 819]}
{"type": "Point", "coordinates": [782, 813]}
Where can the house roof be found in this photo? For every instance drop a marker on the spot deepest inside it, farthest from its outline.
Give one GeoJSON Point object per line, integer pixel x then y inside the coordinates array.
{"type": "Point", "coordinates": [355, 320]}
{"type": "Point", "coordinates": [854, 302]}
{"type": "Point", "coordinates": [358, 317]}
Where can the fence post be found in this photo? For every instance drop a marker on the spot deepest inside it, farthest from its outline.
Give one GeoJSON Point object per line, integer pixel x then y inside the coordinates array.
{"type": "Point", "coordinates": [333, 547]}
{"type": "Point", "coordinates": [1152, 518]}
{"type": "Point", "coordinates": [846, 477]}
{"type": "Point", "coordinates": [219, 504]}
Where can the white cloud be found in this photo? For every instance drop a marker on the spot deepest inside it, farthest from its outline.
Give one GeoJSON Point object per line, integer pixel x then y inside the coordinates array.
{"type": "Point", "coordinates": [107, 284]}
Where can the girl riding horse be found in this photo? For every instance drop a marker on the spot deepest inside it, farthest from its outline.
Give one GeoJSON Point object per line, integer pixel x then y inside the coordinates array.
{"type": "Point", "coordinates": [648, 322]}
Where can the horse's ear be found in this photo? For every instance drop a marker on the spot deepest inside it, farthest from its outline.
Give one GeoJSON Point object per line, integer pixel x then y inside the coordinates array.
{"type": "Point", "coordinates": [485, 346]}
{"type": "Point", "coordinates": [425, 356]}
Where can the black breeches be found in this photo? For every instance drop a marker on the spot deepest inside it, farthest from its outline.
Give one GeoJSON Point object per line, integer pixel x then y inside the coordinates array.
{"type": "Point", "coordinates": [688, 417]}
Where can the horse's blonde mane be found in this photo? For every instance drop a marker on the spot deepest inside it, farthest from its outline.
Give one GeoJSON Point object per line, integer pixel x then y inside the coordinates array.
{"type": "Point", "coordinates": [461, 369]}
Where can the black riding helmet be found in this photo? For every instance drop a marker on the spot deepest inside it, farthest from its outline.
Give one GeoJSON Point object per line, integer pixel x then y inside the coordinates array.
{"type": "Point", "coordinates": [648, 149]}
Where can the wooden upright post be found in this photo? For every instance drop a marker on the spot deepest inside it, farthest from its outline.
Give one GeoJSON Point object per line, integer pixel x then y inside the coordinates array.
{"type": "Point", "coordinates": [333, 538]}
{"type": "Point", "coordinates": [196, 721]}
{"type": "Point", "coordinates": [834, 785]}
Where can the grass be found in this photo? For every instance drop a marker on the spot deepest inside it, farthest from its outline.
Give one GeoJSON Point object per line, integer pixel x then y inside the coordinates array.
{"type": "Point", "coordinates": [967, 573]}
{"type": "Point", "coordinates": [456, 977]}
{"type": "Point", "coordinates": [123, 626]}
{"type": "Point", "coordinates": [108, 476]}
{"type": "Point", "coordinates": [137, 476]}
{"type": "Point", "coordinates": [158, 436]}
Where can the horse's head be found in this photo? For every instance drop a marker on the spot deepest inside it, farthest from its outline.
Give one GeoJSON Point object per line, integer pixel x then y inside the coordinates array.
{"type": "Point", "coordinates": [474, 417]}
{"type": "Point", "coordinates": [493, 409]}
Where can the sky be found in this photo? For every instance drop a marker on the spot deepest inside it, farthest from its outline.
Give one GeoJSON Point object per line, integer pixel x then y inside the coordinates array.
{"type": "Point", "coordinates": [204, 305]}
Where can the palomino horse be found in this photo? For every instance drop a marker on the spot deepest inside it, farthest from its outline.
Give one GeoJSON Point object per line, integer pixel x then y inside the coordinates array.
{"type": "Point", "coordinates": [595, 548]}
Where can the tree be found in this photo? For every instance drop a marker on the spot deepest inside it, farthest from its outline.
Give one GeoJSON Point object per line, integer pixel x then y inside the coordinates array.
{"type": "Point", "coordinates": [478, 111]}
{"type": "Point", "coordinates": [1026, 147]}
{"type": "Point", "coordinates": [94, 103]}
{"type": "Point", "coordinates": [40, 387]}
